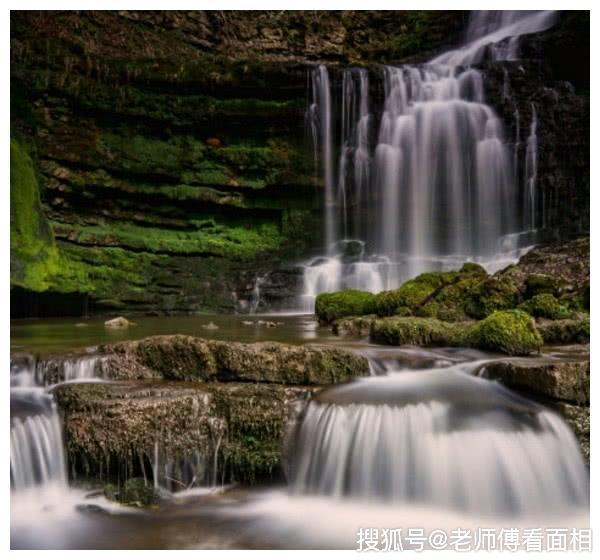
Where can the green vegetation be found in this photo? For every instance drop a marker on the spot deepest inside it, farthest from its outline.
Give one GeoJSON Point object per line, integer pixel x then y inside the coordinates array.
{"type": "Point", "coordinates": [412, 293]}
{"type": "Point", "coordinates": [493, 294]}
{"type": "Point", "coordinates": [511, 332]}
{"type": "Point", "coordinates": [134, 492]}
{"type": "Point", "coordinates": [545, 305]}
{"type": "Point", "coordinates": [347, 303]}
{"type": "Point", "coordinates": [567, 331]}
{"type": "Point", "coordinates": [417, 331]}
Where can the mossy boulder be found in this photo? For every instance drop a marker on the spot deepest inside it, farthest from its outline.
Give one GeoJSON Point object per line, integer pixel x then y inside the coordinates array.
{"type": "Point", "coordinates": [545, 305]}
{"type": "Point", "coordinates": [346, 303]}
{"type": "Point", "coordinates": [537, 284]}
{"type": "Point", "coordinates": [511, 332]}
{"type": "Point", "coordinates": [417, 331]}
{"type": "Point", "coordinates": [473, 268]}
{"type": "Point", "coordinates": [412, 294]}
{"type": "Point", "coordinates": [495, 293]}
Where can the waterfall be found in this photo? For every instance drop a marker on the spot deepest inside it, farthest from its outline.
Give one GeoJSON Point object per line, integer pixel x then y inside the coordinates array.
{"type": "Point", "coordinates": [428, 180]}
{"type": "Point", "coordinates": [37, 456]}
{"type": "Point", "coordinates": [437, 438]}
{"type": "Point", "coordinates": [36, 447]}
{"type": "Point", "coordinates": [531, 172]}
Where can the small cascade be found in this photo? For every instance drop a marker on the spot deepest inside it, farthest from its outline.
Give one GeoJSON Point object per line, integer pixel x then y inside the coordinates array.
{"type": "Point", "coordinates": [27, 370]}
{"type": "Point", "coordinates": [495, 34]}
{"type": "Point", "coordinates": [36, 449]}
{"type": "Point", "coordinates": [427, 181]}
{"type": "Point", "coordinates": [37, 458]}
{"type": "Point", "coordinates": [531, 172]}
{"type": "Point", "coordinates": [445, 438]}
{"type": "Point", "coordinates": [197, 471]}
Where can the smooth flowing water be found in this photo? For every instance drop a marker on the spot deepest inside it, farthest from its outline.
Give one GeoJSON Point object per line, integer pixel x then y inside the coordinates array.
{"type": "Point", "coordinates": [423, 442]}
{"type": "Point", "coordinates": [428, 181]}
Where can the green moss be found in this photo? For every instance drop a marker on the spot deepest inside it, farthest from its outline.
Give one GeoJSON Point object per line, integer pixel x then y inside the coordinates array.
{"type": "Point", "coordinates": [545, 305]}
{"type": "Point", "coordinates": [347, 303]}
{"type": "Point", "coordinates": [511, 332]}
{"type": "Point", "coordinates": [536, 284]}
{"type": "Point", "coordinates": [210, 238]}
{"type": "Point", "coordinates": [415, 330]}
{"type": "Point", "coordinates": [34, 257]}
{"type": "Point", "coordinates": [412, 293]}
{"type": "Point", "coordinates": [566, 331]}
{"type": "Point", "coordinates": [473, 268]}
{"type": "Point", "coordinates": [134, 492]}
{"type": "Point", "coordinates": [493, 294]}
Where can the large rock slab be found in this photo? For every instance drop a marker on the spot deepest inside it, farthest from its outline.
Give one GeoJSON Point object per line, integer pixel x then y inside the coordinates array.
{"type": "Point", "coordinates": [559, 380]}
{"type": "Point", "coordinates": [189, 358]}
{"type": "Point", "coordinates": [182, 432]}
{"type": "Point", "coordinates": [563, 385]}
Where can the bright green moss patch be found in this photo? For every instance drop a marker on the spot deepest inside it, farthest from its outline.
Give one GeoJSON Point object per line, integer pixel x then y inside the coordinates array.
{"type": "Point", "coordinates": [511, 332]}
{"type": "Point", "coordinates": [34, 257]}
{"type": "Point", "coordinates": [545, 305]}
{"type": "Point", "coordinates": [493, 294]}
{"type": "Point", "coordinates": [210, 238]}
{"type": "Point", "coordinates": [347, 303]}
{"type": "Point", "coordinates": [412, 293]}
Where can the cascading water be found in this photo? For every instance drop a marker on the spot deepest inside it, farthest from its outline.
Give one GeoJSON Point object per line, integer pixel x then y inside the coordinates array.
{"type": "Point", "coordinates": [37, 457]}
{"type": "Point", "coordinates": [435, 184]}
{"type": "Point", "coordinates": [441, 438]}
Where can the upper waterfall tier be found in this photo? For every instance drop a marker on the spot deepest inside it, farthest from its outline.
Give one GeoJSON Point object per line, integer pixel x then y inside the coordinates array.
{"type": "Point", "coordinates": [424, 178]}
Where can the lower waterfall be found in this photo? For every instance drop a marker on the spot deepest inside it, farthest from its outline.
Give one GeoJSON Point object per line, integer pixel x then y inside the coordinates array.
{"type": "Point", "coordinates": [440, 437]}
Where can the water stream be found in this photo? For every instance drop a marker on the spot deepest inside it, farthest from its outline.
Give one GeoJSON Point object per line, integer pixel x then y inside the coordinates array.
{"type": "Point", "coordinates": [426, 182]}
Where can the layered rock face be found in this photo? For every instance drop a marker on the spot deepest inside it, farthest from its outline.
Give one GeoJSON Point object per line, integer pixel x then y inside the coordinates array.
{"type": "Point", "coordinates": [549, 89]}
{"type": "Point", "coordinates": [167, 148]}
{"type": "Point", "coordinates": [187, 404]}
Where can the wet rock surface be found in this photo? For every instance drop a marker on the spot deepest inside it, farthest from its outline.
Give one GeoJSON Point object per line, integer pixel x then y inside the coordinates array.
{"type": "Point", "coordinates": [120, 429]}
{"type": "Point", "coordinates": [561, 384]}
{"type": "Point", "coordinates": [189, 358]}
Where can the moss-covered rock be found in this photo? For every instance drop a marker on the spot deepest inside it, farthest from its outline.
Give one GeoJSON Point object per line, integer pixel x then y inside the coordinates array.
{"type": "Point", "coordinates": [354, 326]}
{"type": "Point", "coordinates": [495, 293]}
{"type": "Point", "coordinates": [566, 331]}
{"type": "Point", "coordinates": [220, 431]}
{"type": "Point", "coordinates": [347, 303]}
{"type": "Point", "coordinates": [180, 357]}
{"type": "Point", "coordinates": [511, 332]}
{"type": "Point", "coordinates": [417, 331]}
{"type": "Point", "coordinates": [545, 305]}
{"type": "Point", "coordinates": [537, 284]}
{"type": "Point", "coordinates": [413, 293]}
